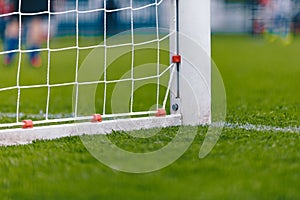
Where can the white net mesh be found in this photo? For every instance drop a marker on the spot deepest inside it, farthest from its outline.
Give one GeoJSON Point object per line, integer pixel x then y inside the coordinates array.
{"type": "Point", "coordinates": [131, 39]}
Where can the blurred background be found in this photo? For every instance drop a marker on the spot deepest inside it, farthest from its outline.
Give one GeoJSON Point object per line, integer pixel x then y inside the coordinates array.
{"type": "Point", "coordinates": [228, 16]}
{"type": "Point", "coordinates": [248, 16]}
{"type": "Point", "coordinates": [91, 16]}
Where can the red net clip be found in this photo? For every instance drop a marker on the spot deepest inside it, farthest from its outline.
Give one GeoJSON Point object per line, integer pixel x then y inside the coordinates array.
{"type": "Point", "coordinates": [161, 113]}
{"type": "Point", "coordinates": [27, 124]}
{"type": "Point", "coordinates": [176, 59]}
{"type": "Point", "coordinates": [97, 118]}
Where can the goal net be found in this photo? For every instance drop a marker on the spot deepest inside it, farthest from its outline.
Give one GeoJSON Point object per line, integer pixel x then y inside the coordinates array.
{"type": "Point", "coordinates": [104, 60]}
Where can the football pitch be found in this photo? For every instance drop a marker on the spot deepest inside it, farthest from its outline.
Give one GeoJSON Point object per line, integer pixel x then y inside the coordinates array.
{"type": "Point", "coordinates": [256, 157]}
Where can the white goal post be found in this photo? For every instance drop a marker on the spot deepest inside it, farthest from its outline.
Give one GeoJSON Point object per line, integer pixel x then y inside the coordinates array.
{"type": "Point", "coordinates": [188, 89]}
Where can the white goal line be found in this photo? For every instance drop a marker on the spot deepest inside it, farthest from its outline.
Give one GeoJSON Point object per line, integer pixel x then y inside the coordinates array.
{"type": "Point", "coordinates": [26, 136]}
{"type": "Point", "coordinates": [263, 128]}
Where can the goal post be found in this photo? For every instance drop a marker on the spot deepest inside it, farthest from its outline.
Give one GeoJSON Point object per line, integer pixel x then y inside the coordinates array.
{"type": "Point", "coordinates": [187, 89]}
{"type": "Point", "coordinates": [194, 45]}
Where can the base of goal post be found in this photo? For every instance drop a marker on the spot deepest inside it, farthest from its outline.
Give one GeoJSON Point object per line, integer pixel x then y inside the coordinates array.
{"type": "Point", "coordinates": [26, 136]}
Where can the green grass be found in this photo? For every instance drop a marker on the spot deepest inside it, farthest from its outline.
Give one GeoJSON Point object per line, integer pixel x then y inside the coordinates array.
{"type": "Point", "coordinates": [261, 79]}
{"type": "Point", "coordinates": [262, 86]}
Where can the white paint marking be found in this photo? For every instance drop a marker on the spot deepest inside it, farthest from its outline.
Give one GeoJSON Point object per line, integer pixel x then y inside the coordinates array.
{"type": "Point", "coordinates": [21, 136]}
{"type": "Point", "coordinates": [27, 136]}
{"type": "Point", "coordinates": [263, 128]}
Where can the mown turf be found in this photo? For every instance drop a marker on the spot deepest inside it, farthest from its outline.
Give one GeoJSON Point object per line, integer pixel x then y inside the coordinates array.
{"type": "Point", "coordinates": [261, 79]}
{"type": "Point", "coordinates": [262, 88]}
{"type": "Point", "coordinates": [243, 165]}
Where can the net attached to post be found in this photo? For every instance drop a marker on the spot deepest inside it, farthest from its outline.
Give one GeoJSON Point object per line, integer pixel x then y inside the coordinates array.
{"type": "Point", "coordinates": [132, 39]}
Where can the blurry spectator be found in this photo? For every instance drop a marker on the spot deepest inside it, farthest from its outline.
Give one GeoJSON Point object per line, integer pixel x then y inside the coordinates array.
{"type": "Point", "coordinates": [5, 8]}
{"type": "Point", "coordinates": [36, 29]}
{"type": "Point", "coordinates": [278, 19]}
{"type": "Point", "coordinates": [296, 23]}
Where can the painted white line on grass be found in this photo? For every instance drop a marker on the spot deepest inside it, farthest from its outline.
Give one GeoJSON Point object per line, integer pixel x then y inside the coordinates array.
{"type": "Point", "coordinates": [21, 136]}
{"type": "Point", "coordinates": [263, 128]}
